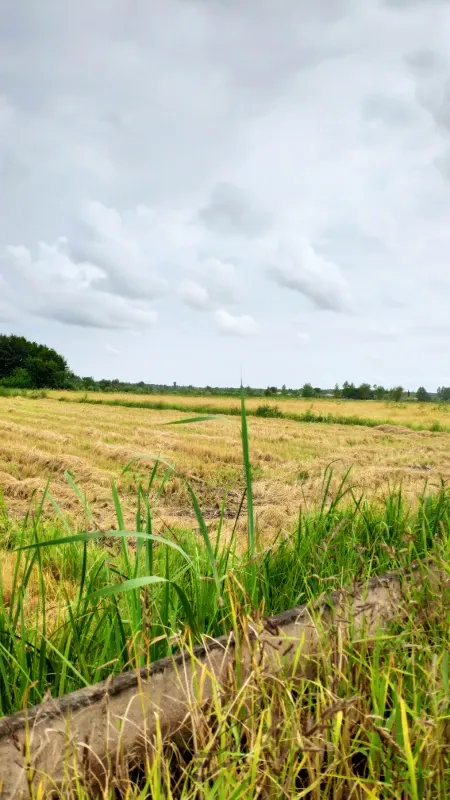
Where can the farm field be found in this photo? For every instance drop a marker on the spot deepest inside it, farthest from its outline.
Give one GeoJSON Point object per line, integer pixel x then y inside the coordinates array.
{"type": "Point", "coordinates": [43, 438]}
{"type": "Point", "coordinates": [76, 608]}
{"type": "Point", "coordinates": [403, 413]}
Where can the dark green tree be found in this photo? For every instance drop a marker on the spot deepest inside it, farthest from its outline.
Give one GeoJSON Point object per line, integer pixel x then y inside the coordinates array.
{"type": "Point", "coordinates": [14, 350]}
{"type": "Point", "coordinates": [307, 390]}
{"type": "Point", "coordinates": [44, 373]}
{"type": "Point", "coordinates": [379, 392]}
{"type": "Point", "coordinates": [365, 392]}
{"type": "Point", "coordinates": [422, 395]}
{"type": "Point", "coordinates": [396, 393]}
{"type": "Point", "coordinates": [443, 394]}
{"type": "Point", "coordinates": [30, 365]}
{"type": "Point", "coordinates": [349, 391]}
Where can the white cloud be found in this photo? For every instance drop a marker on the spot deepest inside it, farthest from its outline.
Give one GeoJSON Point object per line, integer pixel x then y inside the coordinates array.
{"type": "Point", "coordinates": [302, 338]}
{"type": "Point", "coordinates": [220, 278]}
{"type": "Point", "coordinates": [215, 283]}
{"type": "Point", "coordinates": [54, 287]}
{"type": "Point", "coordinates": [309, 139]}
{"type": "Point", "coordinates": [297, 266]}
{"type": "Point", "coordinates": [195, 295]}
{"type": "Point", "coordinates": [7, 312]}
{"type": "Point", "coordinates": [104, 240]}
{"type": "Point", "coordinates": [231, 212]}
{"type": "Point", "coordinates": [235, 326]}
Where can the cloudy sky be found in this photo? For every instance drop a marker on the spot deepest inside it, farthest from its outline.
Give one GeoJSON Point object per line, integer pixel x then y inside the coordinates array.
{"type": "Point", "coordinates": [191, 188]}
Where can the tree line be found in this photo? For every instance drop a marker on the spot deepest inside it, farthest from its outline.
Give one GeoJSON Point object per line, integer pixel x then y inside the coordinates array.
{"type": "Point", "coordinates": [28, 365]}
{"type": "Point", "coordinates": [349, 391]}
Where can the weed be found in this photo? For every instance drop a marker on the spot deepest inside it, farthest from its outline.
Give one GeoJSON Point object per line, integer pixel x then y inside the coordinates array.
{"type": "Point", "coordinates": [268, 411]}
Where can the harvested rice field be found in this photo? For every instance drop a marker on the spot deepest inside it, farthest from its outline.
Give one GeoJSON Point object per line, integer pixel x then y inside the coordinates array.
{"type": "Point", "coordinates": [407, 413]}
{"type": "Point", "coordinates": [372, 717]}
{"type": "Point", "coordinates": [43, 438]}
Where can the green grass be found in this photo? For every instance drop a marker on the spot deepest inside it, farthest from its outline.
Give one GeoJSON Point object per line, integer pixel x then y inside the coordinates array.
{"type": "Point", "coordinates": [132, 591]}
{"type": "Point", "coordinates": [33, 394]}
{"type": "Point", "coordinates": [135, 589]}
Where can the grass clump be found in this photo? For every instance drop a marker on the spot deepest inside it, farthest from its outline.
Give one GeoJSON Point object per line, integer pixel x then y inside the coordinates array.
{"type": "Point", "coordinates": [369, 718]}
{"type": "Point", "coordinates": [81, 606]}
{"type": "Point", "coordinates": [32, 394]}
{"type": "Point", "coordinates": [373, 722]}
{"type": "Point", "coordinates": [268, 411]}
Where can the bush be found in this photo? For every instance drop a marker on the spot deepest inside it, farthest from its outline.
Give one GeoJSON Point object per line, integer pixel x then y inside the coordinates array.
{"type": "Point", "coordinates": [268, 411]}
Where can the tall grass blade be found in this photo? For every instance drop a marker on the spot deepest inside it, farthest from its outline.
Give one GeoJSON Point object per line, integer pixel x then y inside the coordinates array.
{"type": "Point", "coordinates": [97, 535]}
{"type": "Point", "coordinates": [207, 541]}
{"type": "Point", "coordinates": [70, 480]}
{"type": "Point", "coordinates": [251, 538]}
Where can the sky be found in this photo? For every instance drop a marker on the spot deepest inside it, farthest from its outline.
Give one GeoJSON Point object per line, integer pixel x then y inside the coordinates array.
{"type": "Point", "coordinates": [199, 190]}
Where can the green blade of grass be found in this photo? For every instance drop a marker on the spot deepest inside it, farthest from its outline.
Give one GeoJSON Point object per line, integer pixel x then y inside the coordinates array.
{"type": "Point", "coordinates": [97, 535]}
{"type": "Point", "coordinates": [207, 541]}
{"type": "Point", "coordinates": [70, 480]}
{"type": "Point", "coordinates": [251, 538]}
{"type": "Point", "coordinates": [202, 418]}
{"type": "Point", "coordinates": [149, 580]}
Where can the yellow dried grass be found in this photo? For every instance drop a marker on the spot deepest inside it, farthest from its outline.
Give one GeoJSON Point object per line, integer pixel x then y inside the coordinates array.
{"type": "Point", "coordinates": [44, 437]}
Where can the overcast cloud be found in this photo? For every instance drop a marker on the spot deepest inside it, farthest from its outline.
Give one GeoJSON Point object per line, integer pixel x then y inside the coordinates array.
{"type": "Point", "coordinates": [192, 188]}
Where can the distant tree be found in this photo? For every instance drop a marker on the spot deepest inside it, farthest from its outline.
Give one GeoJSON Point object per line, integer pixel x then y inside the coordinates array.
{"type": "Point", "coordinates": [443, 394]}
{"type": "Point", "coordinates": [365, 392]}
{"type": "Point", "coordinates": [307, 390]}
{"type": "Point", "coordinates": [379, 392]}
{"type": "Point", "coordinates": [44, 373]}
{"type": "Point", "coordinates": [336, 391]}
{"type": "Point", "coordinates": [422, 395]}
{"type": "Point", "coordinates": [396, 393]}
{"type": "Point", "coordinates": [88, 383]}
{"type": "Point", "coordinates": [317, 391]}
{"type": "Point", "coordinates": [283, 389]}
{"type": "Point", "coordinates": [349, 391]}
